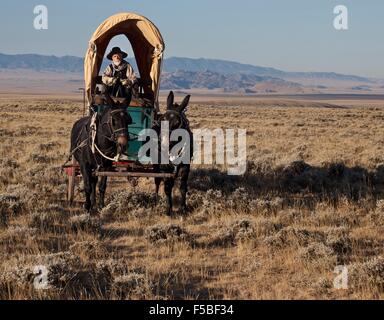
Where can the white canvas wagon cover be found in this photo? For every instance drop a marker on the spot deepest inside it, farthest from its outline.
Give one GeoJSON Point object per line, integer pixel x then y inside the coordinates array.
{"type": "Point", "coordinates": [147, 44]}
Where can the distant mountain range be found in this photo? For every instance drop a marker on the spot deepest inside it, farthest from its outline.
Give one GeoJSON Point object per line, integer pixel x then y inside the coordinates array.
{"type": "Point", "coordinates": [229, 67]}
{"type": "Point", "coordinates": [209, 74]}
{"type": "Point", "coordinates": [38, 62]}
{"type": "Point", "coordinates": [228, 82]}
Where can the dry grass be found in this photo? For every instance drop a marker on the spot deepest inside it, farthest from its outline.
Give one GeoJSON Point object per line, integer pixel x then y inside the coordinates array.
{"type": "Point", "coordinates": [310, 200]}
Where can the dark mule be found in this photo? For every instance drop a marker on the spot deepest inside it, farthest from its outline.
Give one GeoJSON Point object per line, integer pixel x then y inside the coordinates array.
{"type": "Point", "coordinates": [177, 120]}
{"type": "Point", "coordinates": [111, 138]}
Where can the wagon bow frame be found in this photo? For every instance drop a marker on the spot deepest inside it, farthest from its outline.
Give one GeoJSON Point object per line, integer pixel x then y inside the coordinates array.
{"type": "Point", "coordinates": [147, 44]}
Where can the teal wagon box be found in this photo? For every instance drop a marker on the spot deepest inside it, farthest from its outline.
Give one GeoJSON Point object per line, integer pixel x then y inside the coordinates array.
{"type": "Point", "coordinates": [142, 118]}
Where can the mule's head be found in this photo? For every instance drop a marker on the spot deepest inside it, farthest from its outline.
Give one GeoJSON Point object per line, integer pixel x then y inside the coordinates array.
{"type": "Point", "coordinates": [174, 113]}
{"type": "Point", "coordinates": [118, 120]}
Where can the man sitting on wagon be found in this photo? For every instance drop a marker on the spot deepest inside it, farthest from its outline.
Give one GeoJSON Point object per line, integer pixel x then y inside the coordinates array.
{"type": "Point", "coordinates": [119, 77]}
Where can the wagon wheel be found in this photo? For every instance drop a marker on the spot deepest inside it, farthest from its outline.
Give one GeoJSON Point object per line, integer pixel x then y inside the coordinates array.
{"type": "Point", "coordinates": [71, 182]}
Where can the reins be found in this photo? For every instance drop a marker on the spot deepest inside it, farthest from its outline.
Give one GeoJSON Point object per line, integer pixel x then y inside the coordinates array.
{"type": "Point", "coordinates": [92, 137]}
{"type": "Point", "coordinates": [113, 132]}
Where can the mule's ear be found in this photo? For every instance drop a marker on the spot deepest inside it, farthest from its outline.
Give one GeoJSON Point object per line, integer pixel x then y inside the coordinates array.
{"type": "Point", "coordinates": [185, 102]}
{"type": "Point", "coordinates": [109, 100]}
{"type": "Point", "coordinates": [170, 100]}
{"type": "Point", "coordinates": [128, 99]}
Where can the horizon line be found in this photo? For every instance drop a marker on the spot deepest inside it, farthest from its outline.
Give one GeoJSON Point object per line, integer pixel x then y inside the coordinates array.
{"type": "Point", "coordinates": [217, 59]}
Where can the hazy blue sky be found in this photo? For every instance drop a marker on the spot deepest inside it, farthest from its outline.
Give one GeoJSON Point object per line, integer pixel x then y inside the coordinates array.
{"type": "Point", "coordinates": [293, 35]}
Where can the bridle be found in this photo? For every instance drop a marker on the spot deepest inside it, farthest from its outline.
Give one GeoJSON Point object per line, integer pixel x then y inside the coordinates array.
{"type": "Point", "coordinates": [114, 133]}
{"type": "Point", "coordinates": [177, 114]}
{"type": "Point", "coordinates": [183, 124]}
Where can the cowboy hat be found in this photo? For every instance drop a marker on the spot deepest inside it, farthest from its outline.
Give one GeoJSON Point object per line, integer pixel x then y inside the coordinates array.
{"type": "Point", "coordinates": [116, 50]}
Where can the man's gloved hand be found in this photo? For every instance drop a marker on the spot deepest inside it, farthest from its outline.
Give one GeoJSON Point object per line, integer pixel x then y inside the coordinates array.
{"type": "Point", "coordinates": [125, 82]}
{"type": "Point", "coordinates": [114, 81]}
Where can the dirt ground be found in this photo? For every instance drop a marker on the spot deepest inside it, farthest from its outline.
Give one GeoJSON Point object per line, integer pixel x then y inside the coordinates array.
{"type": "Point", "coordinates": [312, 199]}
